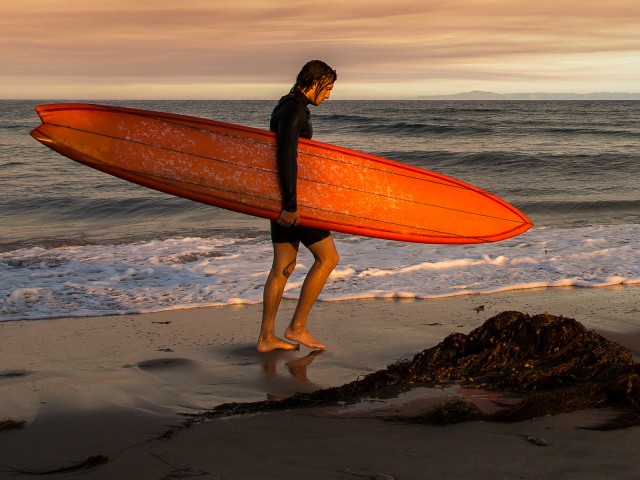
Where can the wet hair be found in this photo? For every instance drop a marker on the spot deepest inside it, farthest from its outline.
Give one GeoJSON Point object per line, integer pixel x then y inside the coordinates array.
{"type": "Point", "coordinates": [314, 71]}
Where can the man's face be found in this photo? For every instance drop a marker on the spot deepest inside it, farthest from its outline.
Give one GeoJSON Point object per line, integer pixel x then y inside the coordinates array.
{"type": "Point", "coordinates": [317, 97]}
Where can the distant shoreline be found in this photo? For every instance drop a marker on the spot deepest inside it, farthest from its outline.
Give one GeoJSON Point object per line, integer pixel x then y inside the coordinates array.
{"type": "Point", "coordinates": [479, 95]}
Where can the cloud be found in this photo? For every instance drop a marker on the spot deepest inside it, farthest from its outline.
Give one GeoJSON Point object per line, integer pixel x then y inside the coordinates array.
{"type": "Point", "coordinates": [263, 42]}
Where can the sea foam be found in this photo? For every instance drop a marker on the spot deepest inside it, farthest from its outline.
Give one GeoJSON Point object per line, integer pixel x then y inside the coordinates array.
{"type": "Point", "coordinates": [194, 272]}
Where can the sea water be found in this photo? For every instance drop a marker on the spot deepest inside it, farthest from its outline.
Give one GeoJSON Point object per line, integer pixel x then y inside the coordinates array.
{"type": "Point", "coordinates": [77, 242]}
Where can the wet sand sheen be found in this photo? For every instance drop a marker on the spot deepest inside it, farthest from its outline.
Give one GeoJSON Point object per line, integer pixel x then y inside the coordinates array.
{"type": "Point", "coordinates": [113, 385]}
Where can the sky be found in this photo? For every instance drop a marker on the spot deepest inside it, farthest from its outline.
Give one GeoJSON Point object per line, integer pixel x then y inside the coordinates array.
{"type": "Point", "coordinates": [253, 49]}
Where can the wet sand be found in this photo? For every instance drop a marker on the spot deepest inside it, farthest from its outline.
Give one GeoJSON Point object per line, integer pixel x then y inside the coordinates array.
{"type": "Point", "coordinates": [114, 386]}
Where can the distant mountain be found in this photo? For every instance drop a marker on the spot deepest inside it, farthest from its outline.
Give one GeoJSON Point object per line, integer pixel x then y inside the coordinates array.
{"type": "Point", "coordinates": [478, 95]}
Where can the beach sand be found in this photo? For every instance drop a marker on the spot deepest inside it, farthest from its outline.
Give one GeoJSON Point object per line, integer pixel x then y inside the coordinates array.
{"type": "Point", "coordinates": [117, 386]}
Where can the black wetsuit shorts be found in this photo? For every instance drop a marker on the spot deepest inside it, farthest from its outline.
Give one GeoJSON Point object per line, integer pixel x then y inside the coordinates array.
{"type": "Point", "coordinates": [296, 235]}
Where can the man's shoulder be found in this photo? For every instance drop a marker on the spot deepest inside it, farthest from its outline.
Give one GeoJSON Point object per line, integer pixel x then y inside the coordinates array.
{"type": "Point", "coordinates": [291, 105]}
{"type": "Point", "coordinates": [293, 100]}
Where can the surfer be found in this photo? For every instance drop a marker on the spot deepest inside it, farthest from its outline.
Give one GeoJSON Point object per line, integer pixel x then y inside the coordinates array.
{"type": "Point", "coordinates": [290, 121]}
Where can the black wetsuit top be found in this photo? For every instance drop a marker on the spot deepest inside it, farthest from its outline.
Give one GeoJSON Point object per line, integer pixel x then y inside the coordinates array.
{"type": "Point", "coordinates": [290, 121]}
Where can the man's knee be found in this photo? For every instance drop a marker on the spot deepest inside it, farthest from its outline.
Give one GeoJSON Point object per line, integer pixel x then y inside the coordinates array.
{"type": "Point", "coordinates": [335, 259]}
{"type": "Point", "coordinates": [325, 254]}
{"type": "Point", "coordinates": [288, 269]}
{"type": "Point", "coordinates": [329, 261]}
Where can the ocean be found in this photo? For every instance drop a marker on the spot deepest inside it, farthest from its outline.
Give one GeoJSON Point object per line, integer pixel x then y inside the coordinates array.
{"type": "Point", "coordinates": [77, 242]}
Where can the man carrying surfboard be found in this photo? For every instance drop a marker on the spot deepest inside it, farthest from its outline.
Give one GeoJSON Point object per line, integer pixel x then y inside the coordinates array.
{"type": "Point", "coordinates": [290, 121]}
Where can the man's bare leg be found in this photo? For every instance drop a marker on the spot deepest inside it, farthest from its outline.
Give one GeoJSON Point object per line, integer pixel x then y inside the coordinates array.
{"type": "Point", "coordinates": [326, 258]}
{"type": "Point", "coordinates": [284, 261]}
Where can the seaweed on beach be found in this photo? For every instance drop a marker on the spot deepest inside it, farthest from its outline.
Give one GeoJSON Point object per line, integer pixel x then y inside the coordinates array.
{"type": "Point", "coordinates": [89, 463]}
{"type": "Point", "coordinates": [11, 424]}
{"type": "Point", "coordinates": [457, 411]}
{"type": "Point", "coordinates": [555, 361]}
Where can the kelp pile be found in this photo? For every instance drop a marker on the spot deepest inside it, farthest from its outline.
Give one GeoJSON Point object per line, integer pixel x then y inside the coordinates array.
{"type": "Point", "coordinates": [11, 424]}
{"type": "Point", "coordinates": [555, 361]}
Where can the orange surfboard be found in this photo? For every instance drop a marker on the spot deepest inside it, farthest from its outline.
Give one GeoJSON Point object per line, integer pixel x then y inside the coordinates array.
{"type": "Point", "coordinates": [234, 167]}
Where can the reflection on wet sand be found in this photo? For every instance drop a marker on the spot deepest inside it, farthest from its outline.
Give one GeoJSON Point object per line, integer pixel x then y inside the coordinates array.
{"type": "Point", "coordinates": [278, 386]}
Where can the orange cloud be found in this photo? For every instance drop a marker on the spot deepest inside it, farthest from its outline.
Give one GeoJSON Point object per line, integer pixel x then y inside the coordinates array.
{"type": "Point", "coordinates": [407, 46]}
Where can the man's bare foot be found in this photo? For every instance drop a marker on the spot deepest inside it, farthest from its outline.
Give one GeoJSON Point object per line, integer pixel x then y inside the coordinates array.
{"type": "Point", "coordinates": [304, 337]}
{"type": "Point", "coordinates": [270, 344]}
